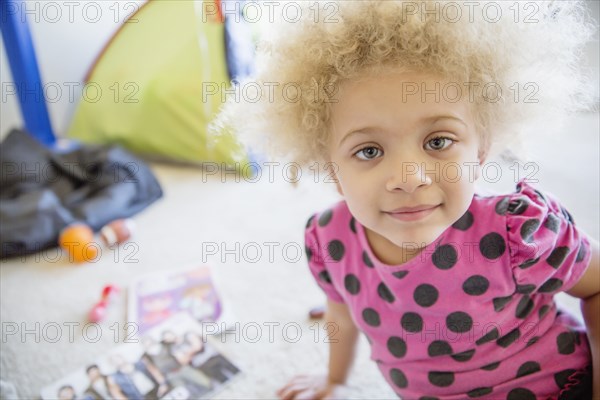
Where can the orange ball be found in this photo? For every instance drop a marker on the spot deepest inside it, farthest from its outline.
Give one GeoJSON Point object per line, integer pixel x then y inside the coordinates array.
{"type": "Point", "coordinates": [78, 240]}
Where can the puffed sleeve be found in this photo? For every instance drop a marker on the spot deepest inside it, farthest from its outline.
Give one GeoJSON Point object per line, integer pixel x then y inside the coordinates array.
{"type": "Point", "coordinates": [314, 254]}
{"type": "Point", "coordinates": [549, 254]}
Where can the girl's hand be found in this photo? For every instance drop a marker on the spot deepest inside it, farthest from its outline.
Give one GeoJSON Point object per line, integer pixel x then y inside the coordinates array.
{"type": "Point", "coordinates": [162, 389]}
{"type": "Point", "coordinates": [310, 388]}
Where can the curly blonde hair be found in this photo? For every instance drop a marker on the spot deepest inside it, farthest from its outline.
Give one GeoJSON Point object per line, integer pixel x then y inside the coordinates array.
{"type": "Point", "coordinates": [536, 46]}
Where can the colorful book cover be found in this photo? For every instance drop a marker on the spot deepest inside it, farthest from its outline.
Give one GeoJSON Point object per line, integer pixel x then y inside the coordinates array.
{"type": "Point", "coordinates": [155, 297]}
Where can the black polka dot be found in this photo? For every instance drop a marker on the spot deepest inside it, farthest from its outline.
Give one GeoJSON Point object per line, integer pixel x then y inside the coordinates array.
{"type": "Point", "coordinates": [384, 292]}
{"type": "Point", "coordinates": [309, 222]}
{"type": "Point", "coordinates": [439, 348]}
{"type": "Point", "coordinates": [528, 228]}
{"type": "Point", "coordinates": [524, 307]}
{"type": "Point", "coordinates": [551, 285]}
{"type": "Point", "coordinates": [532, 341]}
{"type": "Point", "coordinates": [525, 289]}
{"type": "Point", "coordinates": [336, 250]}
{"type": "Point", "coordinates": [367, 260]}
{"type": "Point", "coordinates": [398, 378]}
{"type": "Point", "coordinates": [371, 317]}
{"type": "Point", "coordinates": [478, 392]}
{"type": "Point", "coordinates": [400, 274]}
{"type": "Point", "coordinates": [492, 245]}
{"type": "Point", "coordinates": [562, 378]}
{"type": "Point", "coordinates": [540, 195]}
{"type": "Point", "coordinates": [425, 295]}
{"type": "Point", "coordinates": [444, 257]}
{"type": "Point", "coordinates": [521, 394]}
{"type": "Point", "coordinates": [543, 311]}
{"type": "Point", "coordinates": [567, 215]}
{"type": "Point", "coordinates": [501, 302]}
{"type": "Point", "coordinates": [325, 218]}
{"type": "Point", "coordinates": [565, 342]}
{"type": "Point", "coordinates": [558, 255]}
{"type": "Point", "coordinates": [491, 367]}
{"type": "Point", "coordinates": [517, 206]}
{"type": "Point", "coordinates": [308, 253]}
{"type": "Point", "coordinates": [411, 322]}
{"type": "Point", "coordinates": [502, 206]}
{"type": "Point", "coordinates": [396, 346]}
{"type": "Point", "coordinates": [476, 285]}
{"type": "Point", "coordinates": [464, 356]}
{"type": "Point", "coordinates": [527, 368]}
{"type": "Point", "coordinates": [440, 378]}
{"type": "Point", "coordinates": [552, 222]}
{"type": "Point", "coordinates": [352, 284]}
{"type": "Point", "coordinates": [324, 276]}
{"type": "Point", "coordinates": [529, 263]}
{"type": "Point", "coordinates": [428, 398]}
{"type": "Point", "coordinates": [509, 338]}
{"type": "Point", "coordinates": [581, 253]}
{"type": "Point", "coordinates": [488, 337]}
{"type": "Point", "coordinates": [464, 222]}
{"type": "Point", "coordinates": [459, 322]}
{"type": "Point", "coordinates": [353, 224]}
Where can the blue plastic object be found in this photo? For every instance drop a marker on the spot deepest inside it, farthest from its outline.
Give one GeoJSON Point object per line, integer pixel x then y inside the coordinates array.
{"type": "Point", "coordinates": [25, 72]}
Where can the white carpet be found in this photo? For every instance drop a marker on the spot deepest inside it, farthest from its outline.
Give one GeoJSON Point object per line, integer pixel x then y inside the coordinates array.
{"type": "Point", "coordinates": [41, 293]}
{"type": "Point", "coordinates": [45, 296]}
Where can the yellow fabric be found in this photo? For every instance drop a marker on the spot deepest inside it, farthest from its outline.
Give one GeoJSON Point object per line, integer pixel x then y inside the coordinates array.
{"type": "Point", "coordinates": [151, 77]}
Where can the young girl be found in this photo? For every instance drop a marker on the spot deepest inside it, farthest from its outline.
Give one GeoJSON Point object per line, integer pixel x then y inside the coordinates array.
{"type": "Point", "coordinates": [403, 102]}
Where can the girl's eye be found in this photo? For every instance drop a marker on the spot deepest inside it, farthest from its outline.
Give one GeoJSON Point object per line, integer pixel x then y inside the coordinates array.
{"type": "Point", "coordinates": [368, 153]}
{"type": "Point", "coordinates": [439, 143]}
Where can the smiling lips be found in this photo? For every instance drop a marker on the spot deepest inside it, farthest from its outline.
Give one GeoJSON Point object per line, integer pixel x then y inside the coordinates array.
{"type": "Point", "coordinates": [412, 213]}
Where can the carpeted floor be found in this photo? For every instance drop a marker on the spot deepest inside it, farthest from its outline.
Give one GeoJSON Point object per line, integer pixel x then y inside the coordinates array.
{"type": "Point", "coordinates": [43, 295]}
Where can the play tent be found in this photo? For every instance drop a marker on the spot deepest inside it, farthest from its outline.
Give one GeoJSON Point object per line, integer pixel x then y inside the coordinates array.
{"type": "Point", "coordinates": [152, 88]}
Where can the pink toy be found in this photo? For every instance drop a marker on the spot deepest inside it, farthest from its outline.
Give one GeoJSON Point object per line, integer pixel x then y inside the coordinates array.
{"type": "Point", "coordinates": [98, 312]}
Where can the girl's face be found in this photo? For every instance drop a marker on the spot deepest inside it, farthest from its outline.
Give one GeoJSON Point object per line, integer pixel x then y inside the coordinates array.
{"type": "Point", "coordinates": [407, 157]}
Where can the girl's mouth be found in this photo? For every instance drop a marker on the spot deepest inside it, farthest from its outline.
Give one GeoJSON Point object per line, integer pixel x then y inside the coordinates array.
{"type": "Point", "coordinates": [412, 213]}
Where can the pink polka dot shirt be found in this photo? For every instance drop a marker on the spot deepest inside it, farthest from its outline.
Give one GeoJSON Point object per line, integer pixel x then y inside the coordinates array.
{"type": "Point", "coordinates": [471, 316]}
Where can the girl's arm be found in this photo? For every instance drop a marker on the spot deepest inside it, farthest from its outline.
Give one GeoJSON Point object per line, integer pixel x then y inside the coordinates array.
{"type": "Point", "coordinates": [588, 289]}
{"type": "Point", "coordinates": [343, 336]}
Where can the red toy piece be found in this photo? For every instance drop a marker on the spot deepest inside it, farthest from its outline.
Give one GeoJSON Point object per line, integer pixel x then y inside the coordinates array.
{"type": "Point", "coordinates": [98, 312]}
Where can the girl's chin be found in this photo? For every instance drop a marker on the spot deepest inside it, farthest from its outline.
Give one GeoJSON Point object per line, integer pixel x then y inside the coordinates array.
{"type": "Point", "coordinates": [418, 240]}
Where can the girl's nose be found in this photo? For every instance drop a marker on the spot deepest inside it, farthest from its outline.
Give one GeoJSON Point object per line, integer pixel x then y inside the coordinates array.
{"type": "Point", "coordinates": [408, 176]}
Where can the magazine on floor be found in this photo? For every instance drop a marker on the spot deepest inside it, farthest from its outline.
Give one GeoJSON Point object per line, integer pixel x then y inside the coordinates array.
{"type": "Point", "coordinates": [171, 361]}
{"type": "Point", "coordinates": [156, 296]}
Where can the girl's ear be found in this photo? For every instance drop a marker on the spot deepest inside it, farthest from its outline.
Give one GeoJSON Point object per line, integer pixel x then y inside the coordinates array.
{"type": "Point", "coordinates": [331, 172]}
{"type": "Point", "coordinates": [338, 187]}
{"type": "Point", "coordinates": [481, 156]}
{"type": "Point", "coordinates": [484, 148]}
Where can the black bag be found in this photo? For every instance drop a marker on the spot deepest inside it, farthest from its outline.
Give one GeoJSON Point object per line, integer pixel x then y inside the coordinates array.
{"type": "Point", "coordinates": [43, 190]}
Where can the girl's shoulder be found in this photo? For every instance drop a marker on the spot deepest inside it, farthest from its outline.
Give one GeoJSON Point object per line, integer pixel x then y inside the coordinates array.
{"type": "Point", "coordinates": [547, 251]}
{"type": "Point", "coordinates": [525, 200]}
{"type": "Point", "coordinates": [532, 218]}
{"type": "Point", "coordinates": [332, 218]}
